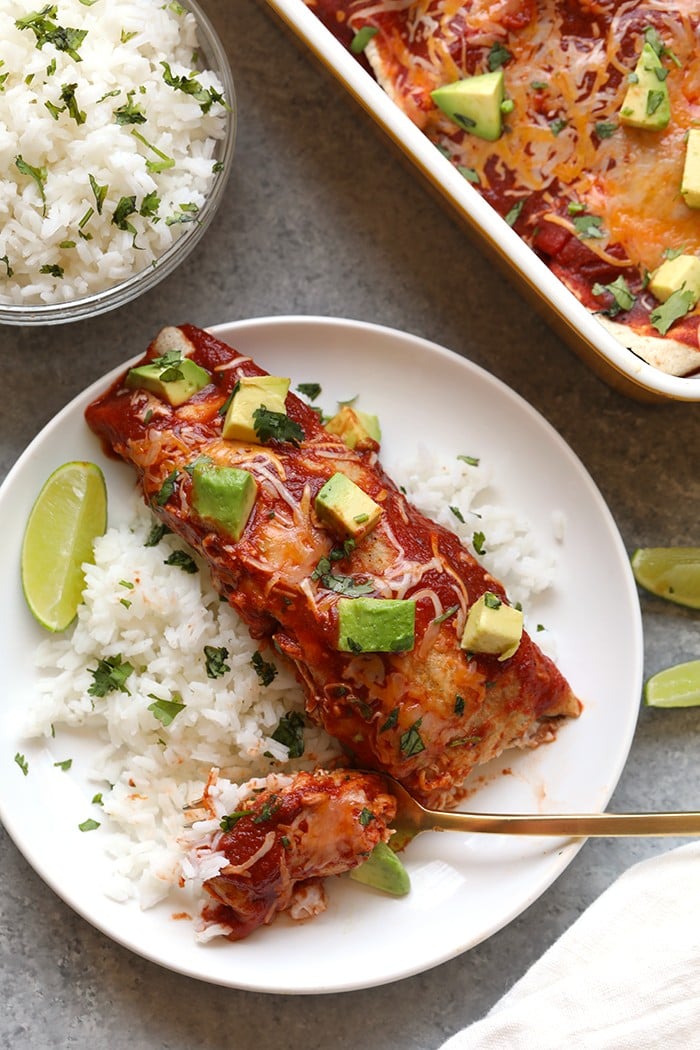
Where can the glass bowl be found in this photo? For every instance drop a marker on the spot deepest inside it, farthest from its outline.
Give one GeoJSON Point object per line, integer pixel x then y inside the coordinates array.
{"type": "Point", "coordinates": [211, 57]}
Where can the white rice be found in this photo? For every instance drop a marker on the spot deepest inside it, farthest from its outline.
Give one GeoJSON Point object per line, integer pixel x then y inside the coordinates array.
{"type": "Point", "coordinates": [159, 618]}
{"type": "Point", "coordinates": [43, 223]}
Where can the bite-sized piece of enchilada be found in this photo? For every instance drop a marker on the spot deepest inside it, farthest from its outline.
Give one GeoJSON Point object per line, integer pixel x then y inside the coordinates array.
{"type": "Point", "coordinates": [605, 187]}
{"type": "Point", "coordinates": [286, 835]}
{"type": "Point", "coordinates": [407, 649]}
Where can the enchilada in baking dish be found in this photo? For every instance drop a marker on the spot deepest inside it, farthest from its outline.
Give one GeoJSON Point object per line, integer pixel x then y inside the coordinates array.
{"type": "Point", "coordinates": [592, 153]}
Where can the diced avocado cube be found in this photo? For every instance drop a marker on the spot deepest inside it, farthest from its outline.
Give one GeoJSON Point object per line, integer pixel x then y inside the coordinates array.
{"type": "Point", "coordinates": [646, 103]}
{"type": "Point", "coordinates": [474, 104]}
{"type": "Point", "coordinates": [492, 627]}
{"type": "Point", "coordinates": [175, 380]}
{"type": "Point", "coordinates": [383, 871]}
{"type": "Point", "coordinates": [253, 392]}
{"type": "Point", "coordinates": [675, 275]}
{"type": "Point", "coordinates": [345, 508]}
{"type": "Point", "coordinates": [358, 430]}
{"type": "Point", "coordinates": [690, 183]}
{"type": "Point", "coordinates": [376, 625]}
{"type": "Point", "coordinates": [224, 495]}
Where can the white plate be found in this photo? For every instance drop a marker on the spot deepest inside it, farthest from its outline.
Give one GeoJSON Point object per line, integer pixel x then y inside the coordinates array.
{"type": "Point", "coordinates": [464, 888]}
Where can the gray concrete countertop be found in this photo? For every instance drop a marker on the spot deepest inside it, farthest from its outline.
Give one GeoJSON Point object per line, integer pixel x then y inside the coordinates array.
{"type": "Point", "coordinates": [321, 218]}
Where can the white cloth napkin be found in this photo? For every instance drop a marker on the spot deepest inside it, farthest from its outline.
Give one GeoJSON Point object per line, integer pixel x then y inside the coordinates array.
{"type": "Point", "coordinates": [625, 976]}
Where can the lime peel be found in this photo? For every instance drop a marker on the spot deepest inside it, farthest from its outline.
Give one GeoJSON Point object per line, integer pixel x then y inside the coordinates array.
{"type": "Point", "coordinates": [69, 513]}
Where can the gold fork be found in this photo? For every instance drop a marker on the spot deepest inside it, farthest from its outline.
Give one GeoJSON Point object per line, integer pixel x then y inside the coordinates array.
{"type": "Point", "coordinates": [412, 818]}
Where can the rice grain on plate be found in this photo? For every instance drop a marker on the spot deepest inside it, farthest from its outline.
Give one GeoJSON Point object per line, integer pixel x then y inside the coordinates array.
{"type": "Point", "coordinates": [107, 142]}
{"type": "Point", "coordinates": [169, 721]}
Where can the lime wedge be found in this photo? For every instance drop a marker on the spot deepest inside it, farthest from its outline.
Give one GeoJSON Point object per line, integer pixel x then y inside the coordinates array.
{"type": "Point", "coordinates": [68, 515]}
{"type": "Point", "coordinates": [669, 572]}
{"type": "Point", "coordinates": [677, 686]}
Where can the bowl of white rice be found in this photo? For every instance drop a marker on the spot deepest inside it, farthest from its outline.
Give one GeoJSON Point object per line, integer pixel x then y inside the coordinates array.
{"type": "Point", "coordinates": [117, 128]}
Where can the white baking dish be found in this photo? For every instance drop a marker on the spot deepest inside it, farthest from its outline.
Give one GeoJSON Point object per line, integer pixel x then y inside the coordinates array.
{"type": "Point", "coordinates": [611, 360]}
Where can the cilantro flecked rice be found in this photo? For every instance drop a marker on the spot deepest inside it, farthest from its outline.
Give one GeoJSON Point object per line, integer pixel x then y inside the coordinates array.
{"type": "Point", "coordinates": [108, 131]}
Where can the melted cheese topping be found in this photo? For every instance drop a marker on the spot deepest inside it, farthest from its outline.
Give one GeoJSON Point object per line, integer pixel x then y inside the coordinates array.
{"type": "Point", "coordinates": [568, 73]}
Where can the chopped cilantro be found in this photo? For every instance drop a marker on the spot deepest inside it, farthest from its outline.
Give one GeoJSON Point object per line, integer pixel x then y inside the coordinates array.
{"type": "Point", "coordinates": [191, 86]}
{"type": "Point", "coordinates": [53, 269]}
{"type": "Point", "coordinates": [38, 174]}
{"type": "Point", "coordinates": [129, 113]}
{"type": "Point", "coordinates": [47, 31]}
{"type": "Point", "coordinates": [345, 585]}
{"type": "Point", "coordinates": [290, 733]}
{"type": "Point", "coordinates": [120, 217]}
{"type": "Point", "coordinates": [264, 669]}
{"type": "Point", "coordinates": [458, 514]}
{"type": "Point", "coordinates": [110, 676]}
{"type": "Point", "coordinates": [8, 268]}
{"type": "Point", "coordinates": [392, 720]}
{"type": "Point", "coordinates": [459, 705]}
{"type": "Point", "coordinates": [168, 366]}
{"type": "Point", "coordinates": [310, 390]}
{"type": "Point", "coordinates": [182, 560]}
{"type": "Point", "coordinates": [89, 825]}
{"type": "Point", "coordinates": [654, 100]}
{"type": "Point", "coordinates": [166, 490]}
{"type": "Point", "coordinates": [22, 763]}
{"type": "Point", "coordinates": [269, 807]}
{"type": "Point", "coordinates": [229, 822]}
{"type": "Point", "coordinates": [623, 298]}
{"type": "Point", "coordinates": [165, 710]}
{"type": "Point", "coordinates": [514, 214]}
{"type": "Point", "coordinates": [464, 120]}
{"type": "Point", "coordinates": [158, 530]}
{"type": "Point", "coordinates": [276, 426]}
{"type": "Point", "coordinates": [215, 660]}
{"type": "Point", "coordinates": [165, 162]}
{"type": "Point", "coordinates": [491, 600]}
{"type": "Point", "coordinates": [470, 174]}
{"type": "Point", "coordinates": [677, 305]}
{"type": "Point", "coordinates": [557, 125]}
{"type": "Point", "coordinates": [478, 542]}
{"type": "Point", "coordinates": [64, 765]}
{"type": "Point", "coordinates": [187, 213]}
{"type": "Point", "coordinates": [472, 461]}
{"type": "Point", "coordinates": [652, 38]}
{"type": "Point", "coordinates": [366, 816]}
{"type": "Point", "coordinates": [70, 103]}
{"type": "Point", "coordinates": [588, 226]}
{"type": "Point", "coordinates": [498, 57]}
{"type": "Point", "coordinates": [411, 742]}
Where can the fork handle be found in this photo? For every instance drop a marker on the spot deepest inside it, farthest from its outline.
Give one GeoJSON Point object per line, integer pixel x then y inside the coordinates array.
{"type": "Point", "coordinates": [569, 825]}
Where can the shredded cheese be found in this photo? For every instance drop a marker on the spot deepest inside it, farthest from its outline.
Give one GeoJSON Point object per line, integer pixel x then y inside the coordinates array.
{"type": "Point", "coordinates": [630, 178]}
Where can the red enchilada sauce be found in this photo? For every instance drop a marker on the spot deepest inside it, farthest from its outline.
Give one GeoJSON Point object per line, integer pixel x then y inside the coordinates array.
{"type": "Point", "coordinates": [428, 714]}
{"type": "Point", "coordinates": [564, 156]}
